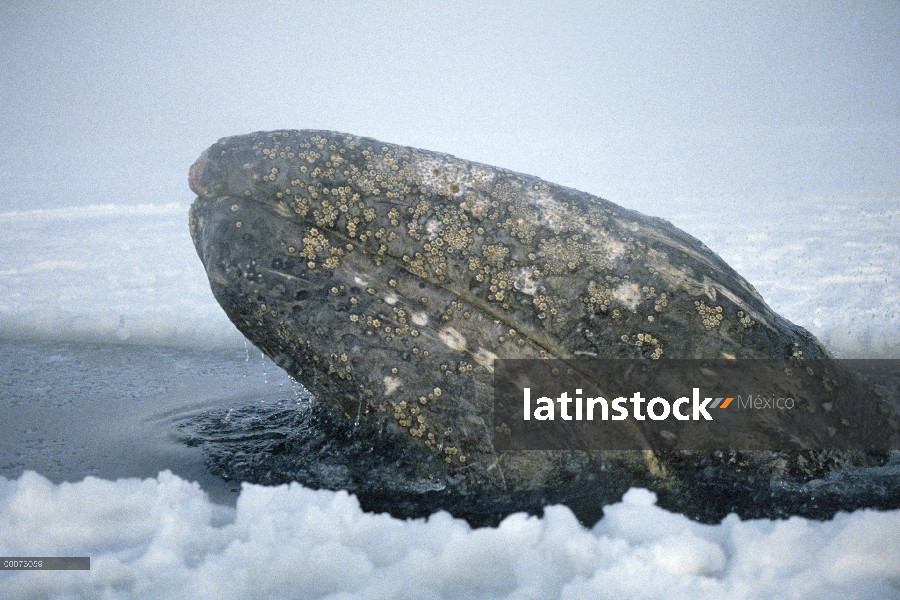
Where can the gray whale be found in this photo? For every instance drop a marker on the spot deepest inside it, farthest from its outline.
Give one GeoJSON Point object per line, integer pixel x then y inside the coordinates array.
{"type": "Point", "coordinates": [387, 280]}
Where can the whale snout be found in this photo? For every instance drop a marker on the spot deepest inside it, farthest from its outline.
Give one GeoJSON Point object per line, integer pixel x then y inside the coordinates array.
{"type": "Point", "coordinates": [195, 176]}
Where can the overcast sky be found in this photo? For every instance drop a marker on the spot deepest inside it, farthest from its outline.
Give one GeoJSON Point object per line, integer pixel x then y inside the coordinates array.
{"type": "Point", "coordinates": [102, 103]}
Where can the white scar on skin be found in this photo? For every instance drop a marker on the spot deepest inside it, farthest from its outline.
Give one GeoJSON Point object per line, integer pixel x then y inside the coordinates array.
{"type": "Point", "coordinates": [391, 384]}
{"type": "Point", "coordinates": [628, 294]}
{"type": "Point", "coordinates": [485, 358]}
{"type": "Point", "coordinates": [452, 338]}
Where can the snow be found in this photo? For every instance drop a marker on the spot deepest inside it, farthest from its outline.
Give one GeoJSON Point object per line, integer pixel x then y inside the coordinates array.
{"type": "Point", "coordinates": [161, 538]}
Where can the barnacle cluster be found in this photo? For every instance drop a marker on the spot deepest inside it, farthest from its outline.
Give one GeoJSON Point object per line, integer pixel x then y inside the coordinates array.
{"type": "Point", "coordinates": [712, 315]}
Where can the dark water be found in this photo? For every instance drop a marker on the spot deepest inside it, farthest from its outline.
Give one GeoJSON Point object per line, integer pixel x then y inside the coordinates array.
{"type": "Point", "coordinates": [69, 411]}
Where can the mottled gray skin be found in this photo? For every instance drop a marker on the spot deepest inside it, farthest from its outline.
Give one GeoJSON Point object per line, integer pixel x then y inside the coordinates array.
{"type": "Point", "coordinates": [387, 279]}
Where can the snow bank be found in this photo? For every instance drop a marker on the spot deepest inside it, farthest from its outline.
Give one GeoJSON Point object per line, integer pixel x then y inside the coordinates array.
{"type": "Point", "coordinates": [161, 538]}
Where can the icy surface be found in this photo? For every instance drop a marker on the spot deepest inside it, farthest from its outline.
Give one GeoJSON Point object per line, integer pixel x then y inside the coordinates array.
{"type": "Point", "coordinates": [129, 274]}
{"type": "Point", "coordinates": [106, 273]}
{"type": "Point", "coordinates": [828, 263]}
